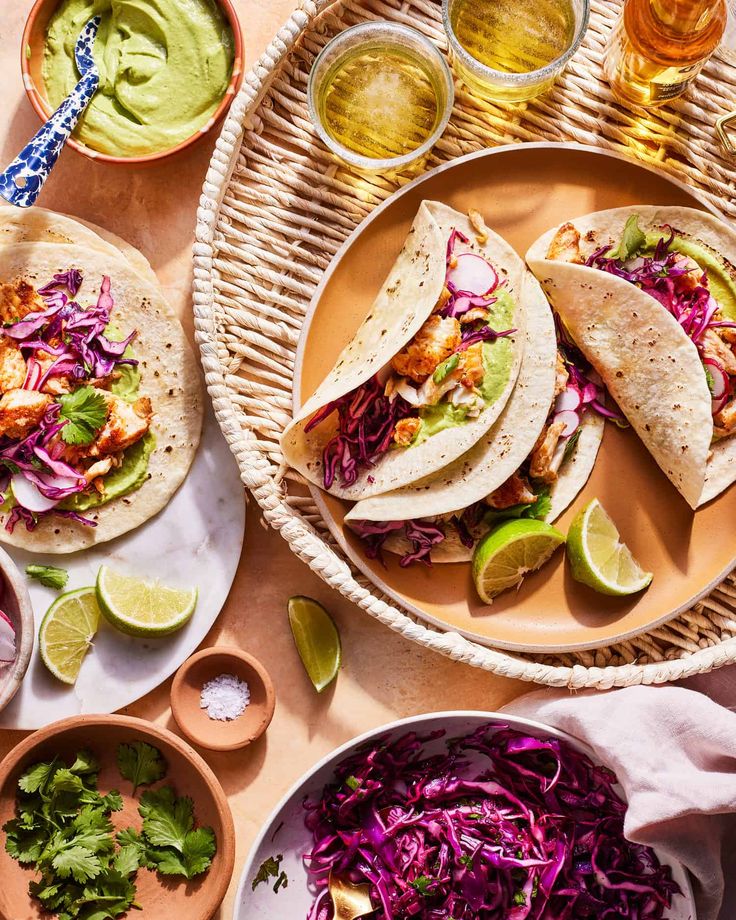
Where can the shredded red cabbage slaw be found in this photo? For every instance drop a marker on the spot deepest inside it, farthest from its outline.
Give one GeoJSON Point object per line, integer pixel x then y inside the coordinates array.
{"type": "Point", "coordinates": [366, 417]}
{"type": "Point", "coordinates": [74, 337]}
{"type": "Point", "coordinates": [501, 826]}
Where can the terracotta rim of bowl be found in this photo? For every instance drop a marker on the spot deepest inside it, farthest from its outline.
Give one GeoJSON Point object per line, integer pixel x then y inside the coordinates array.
{"type": "Point", "coordinates": [44, 110]}
{"type": "Point", "coordinates": [233, 652]}
{"type": "Point", "coordinates": [16, 584]}
{"type": "Point", "coordinates": [225, 847]}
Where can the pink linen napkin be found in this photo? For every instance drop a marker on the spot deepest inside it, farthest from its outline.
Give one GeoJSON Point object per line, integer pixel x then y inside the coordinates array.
{"type": "Point", "coordinates": [674, 752]}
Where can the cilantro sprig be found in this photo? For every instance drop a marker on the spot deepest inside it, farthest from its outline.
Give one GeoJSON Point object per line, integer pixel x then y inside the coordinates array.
{"type": "Point", "coordinates": [85, 412]}
{"type": "Point", "coordinates": [63, 828]}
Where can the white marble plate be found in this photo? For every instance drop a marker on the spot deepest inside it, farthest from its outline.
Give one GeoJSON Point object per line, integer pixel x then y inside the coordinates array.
{"type": "Point", "coordinates": [196, 539]}
{"type": "Point", "coordinates": [284, 833]}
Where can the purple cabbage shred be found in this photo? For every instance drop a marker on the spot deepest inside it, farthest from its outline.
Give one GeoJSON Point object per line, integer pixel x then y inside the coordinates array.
{"type": "Point", "coordinates": [498, 826]}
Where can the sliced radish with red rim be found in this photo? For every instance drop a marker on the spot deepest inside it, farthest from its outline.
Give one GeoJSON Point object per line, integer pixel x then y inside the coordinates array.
{"type": "Point", "coordinates": [473, 275]}
{"type": "Point", "coordinates": [571, 421]}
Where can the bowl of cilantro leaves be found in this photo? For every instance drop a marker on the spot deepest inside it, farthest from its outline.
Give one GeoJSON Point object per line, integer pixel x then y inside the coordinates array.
{"type": "Point", "coordinates": [104, 814]}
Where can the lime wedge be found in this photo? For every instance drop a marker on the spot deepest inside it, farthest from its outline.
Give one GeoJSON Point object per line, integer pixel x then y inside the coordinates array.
{"type": "Point", "coordinates": [504, 556]}
{"type": "Point", "coordinates": [143, 608]}
{"type": "Point", "coordinates": [597, 556]}
{"type": "Point", "coordinates": [317, 640]}
{"type": "Point", "coordinates": [67, 631]}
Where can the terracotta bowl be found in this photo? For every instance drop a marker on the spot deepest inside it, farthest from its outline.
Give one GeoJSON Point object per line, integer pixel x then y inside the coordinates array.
{"type": "Point", "coordinates": [161, 897]}
{"type": "Point", "coordinates": [16, 604]}
{"type": "Point", "coordinates": [31, 60]}
{"type": "Point", "coordinates": [194, 721]}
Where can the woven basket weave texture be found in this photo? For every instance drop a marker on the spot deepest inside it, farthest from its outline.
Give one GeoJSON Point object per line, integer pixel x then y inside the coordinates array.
{"type": "Point", "coordinates": [276, 208]}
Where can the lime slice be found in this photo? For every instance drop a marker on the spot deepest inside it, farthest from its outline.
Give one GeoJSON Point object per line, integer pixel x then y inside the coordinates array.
{"type": "Point", "coordinates": [143, 608]}
{"type": "Point", "coordinates": [597, 556]}
{"type": "Point", "coordinates": [317, 640]}
{"type": "Point", "coordinates": [506, 554]}
{"type": "Point", "coordinates": [67, 631]}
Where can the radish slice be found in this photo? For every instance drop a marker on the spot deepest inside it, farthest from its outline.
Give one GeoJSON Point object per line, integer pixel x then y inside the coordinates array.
{"type": "Point", "coordinates": [590, 393]}
{"type": "Point", "coordinates": [7, 640]}
{"type": "Point", "coordinates": [569, 398]}
{"type": "Point", "coordinates": [462, 304]}
{"type": "Point", "coordinates": [28, 495]}
{"type": "Point", "coordinates": [473, 275]}
{"type": "Point", "coordinates": [721, 383]}
{"type": "Point", "coordinates": [571, 421]}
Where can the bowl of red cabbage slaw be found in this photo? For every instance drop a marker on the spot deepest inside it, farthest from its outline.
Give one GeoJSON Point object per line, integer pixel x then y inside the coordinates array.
{"type": "Point", "coordinates": [460, 815]}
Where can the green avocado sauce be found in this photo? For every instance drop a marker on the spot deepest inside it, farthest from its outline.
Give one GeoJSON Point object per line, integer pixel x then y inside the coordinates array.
{"type": "Point", "coordinates": [720, 279]}
{"type": "Point", "coordinates": [498, 357]}
{"type": "Point", "coordinates": [164, 67]}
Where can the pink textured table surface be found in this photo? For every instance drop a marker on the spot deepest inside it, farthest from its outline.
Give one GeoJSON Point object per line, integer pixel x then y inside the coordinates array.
{"type": "Point", "coordinates": [384, 677]}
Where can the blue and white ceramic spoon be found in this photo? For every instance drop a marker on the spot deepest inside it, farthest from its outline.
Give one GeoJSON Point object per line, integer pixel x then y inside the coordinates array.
{"type": "Point", "coordinates": [22, 181]}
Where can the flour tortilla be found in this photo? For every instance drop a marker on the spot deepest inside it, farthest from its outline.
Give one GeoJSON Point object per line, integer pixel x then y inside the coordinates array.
{"type": "Point", "coordinates": [647, 362]}
{"type": "Point", "coordinates": [170, 377]}
{"type": "Point", "coordinates": [500, 452]}
{"type": "Point", "coordinates": [405, 301]}
{"type": "Point", "coordinates": [39, 225]}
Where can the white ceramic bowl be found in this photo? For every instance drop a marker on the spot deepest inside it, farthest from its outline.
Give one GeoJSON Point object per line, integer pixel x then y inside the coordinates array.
{"type": "Point", "coordinates": [284, 831]}
{"type": "Point", "coordinates": [16, 604]}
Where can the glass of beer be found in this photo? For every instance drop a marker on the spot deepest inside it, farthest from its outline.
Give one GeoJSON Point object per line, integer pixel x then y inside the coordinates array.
{"type": "Point", "coordinates": [380, 95]}
{"type": "Point", "coordinates": [513, 50]}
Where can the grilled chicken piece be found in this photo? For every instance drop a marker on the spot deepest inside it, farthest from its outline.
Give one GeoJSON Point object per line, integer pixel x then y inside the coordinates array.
{"type": "Point", "coordinates": [724, 423]}
{"type": "Point", "coordinates": [12, 366]}
{"type": "Point", "coordinates": [98, 468]}
{"type": "Point", "coordinates": [54, 385]}
{"type": "Point", "coordinates": [444, 297]}
{"type": "Point", "coordinates": [515, 491]}
{"type": "Point", "coordinates": [406, 430]}
{"type": "Point", "coordinates": [125, 425]}
{"type": "Point", "coordinates": [471, 366]}
{"type": "Point", "coordinates": [727, 333]}
{"type": "Point", "coordinates": [473, 315]}
{"type": "Point", "coordinates": [561, 375]}
{"type": "Point", "coordinates": [714, 347]}
{"type": "Point", "coordinates": [17, 300]}
{"type": "Point", "coordinates": [21, 411]}
{"type": "Point", "coordinates": [565, 245]}
{"type": "Point", "coordinates": [435, 341]}
{"type": "Point", "coordinates": [479, 225]}
{"type": "Point", "coordinates": [541, 465]}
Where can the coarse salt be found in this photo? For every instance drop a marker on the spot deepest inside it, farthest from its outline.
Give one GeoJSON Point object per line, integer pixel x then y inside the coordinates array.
{"type": "Point", "coordinates": [225, 697]}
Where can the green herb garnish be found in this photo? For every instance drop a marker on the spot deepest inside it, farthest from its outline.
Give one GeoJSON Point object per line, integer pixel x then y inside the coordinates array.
{"type": "Point", "coordinates": [422, 884]}
{"type": "Point", "coordinates": [48, 575]}
{"type": "Point", "coordinates": [85, 412]}
{"type": "Point", "coordinates": [140, 763]}
{"type": "Point", "coordinates": [519, 898]}
{"type": "Point", "coordinates": [538, 509]}
{"type": "Point", "coordinates": [271, 868]}
{"type": "Point", "coordinates": [572, 443]}
{"type": "Point", "coordinates": [63, 829]}
{"type": "Point", "coordinates": [633, 240]}
{"type": "Point", "coordinates": [447, 367]}
{"type": "Point", "coordinates": [352, 782]}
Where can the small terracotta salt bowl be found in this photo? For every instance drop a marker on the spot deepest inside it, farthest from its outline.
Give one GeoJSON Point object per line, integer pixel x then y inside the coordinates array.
{"type": "Point", "coordinates": [194, 721]}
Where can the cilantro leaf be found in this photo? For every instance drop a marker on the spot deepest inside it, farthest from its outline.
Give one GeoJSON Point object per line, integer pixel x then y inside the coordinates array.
{"type": "Point", "coordinates": [422, 885]}
{"type": "Point", "coordinates": [130, 837]}
{"type": "Point", "coordinates": [633, 240]}
{"type": "Point", "coordinates": [140, 763]}
{"type": "Point", "coordinates": [572, 443]}
{"type": "Point", "coordinates": [85, 763]}
{"type": "Point", "coordinates": [77, 862]}
{"type": "Point", "coordinates": [37, 776]}
{"type": "Point", "coordinates": [127, 860]}
{"type": "Point", "coordinates": [85, 412]}
{"type": "Point", "coordinates": [447, 367]}
{"type": "Point", "coordinates": [166, 819]}
{"type": "Point", "coordinates": [269, 868]}
{"type": "Point", "coordinates": [49, 575]}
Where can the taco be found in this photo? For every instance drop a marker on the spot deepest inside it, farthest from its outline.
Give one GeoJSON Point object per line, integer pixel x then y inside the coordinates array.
{"type": "Point", "coordinates": [649, 296]}
{"type": "Point", "coordinates": [532, 463]}
{"type": "Point", "coordinates": [429, 370]}
{"type": "Point", "coordinates": [100, 399]}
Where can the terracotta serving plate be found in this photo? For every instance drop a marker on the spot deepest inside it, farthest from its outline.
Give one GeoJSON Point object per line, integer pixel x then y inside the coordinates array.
{"type": "Point", "coordinates": [523, 191]}
{"type": "Point", "coordinates": [161, 898]}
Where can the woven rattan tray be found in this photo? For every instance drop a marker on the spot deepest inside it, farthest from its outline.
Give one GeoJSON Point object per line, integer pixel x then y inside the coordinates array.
{"type": "Point", "coordinates": [274, 210]}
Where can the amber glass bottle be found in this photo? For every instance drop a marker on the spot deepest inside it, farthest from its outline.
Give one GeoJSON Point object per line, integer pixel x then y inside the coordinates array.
{"type": "Point", "coordinates": [658, 47]}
